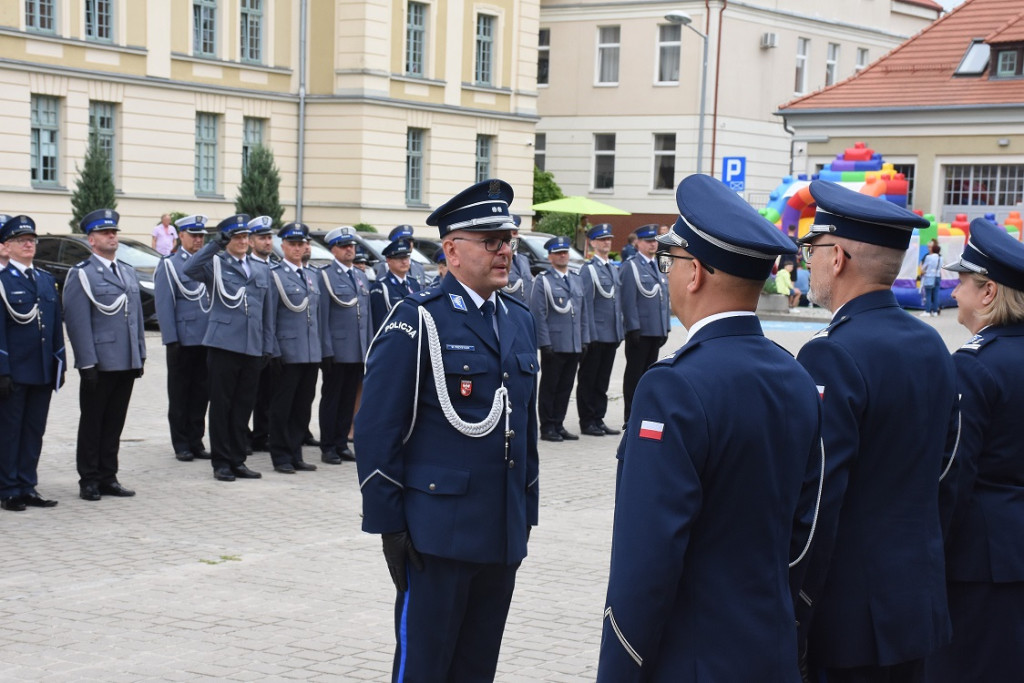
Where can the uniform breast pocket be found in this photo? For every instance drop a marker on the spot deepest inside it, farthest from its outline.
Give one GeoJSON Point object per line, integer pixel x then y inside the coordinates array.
{"type": "Point", "coordinates": [105, 292]}
{"type": "Point", "coordinates": [465, 363]}
{"type": "Point", "coordinates": [104, 337]}
{"type": "Point", "coordinates": [435, 480]}
{"type": "Point", "coordinates": [527, 363]}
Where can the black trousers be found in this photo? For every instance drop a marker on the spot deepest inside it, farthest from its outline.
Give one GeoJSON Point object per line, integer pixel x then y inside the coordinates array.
{"type": "Point", "coordinates": [592, 382]}
{"type": "Point", "coordinates": [557, 373]}
{"type": "Point", "coordinates": [260, 432]}
{"type": "Point", "coordinates": [639, 356]}
{"type": "Point", "coordinates": [188, 395]}
{"type": "Point", "coordinates": [103, 407]}
{"type": "Point", "coordinates": [905, 672]}
{"type": "Point", "coordinates": [338, 403]}
{"type": "Point", "coordinates": [22, 423]}
{"type": "Point", "coordinates": [293, 386]}
{"type": "Point", "coordinates": [233, 380]}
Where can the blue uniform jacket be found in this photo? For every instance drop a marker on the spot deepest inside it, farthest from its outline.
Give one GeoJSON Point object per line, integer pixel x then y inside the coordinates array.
{"type": "Point", "coordinates": [298, 336]}
{"type": "Point", "coordinates": [715, 494]}
{"type": "Point", "coordinates": [601, 290]}
{"type": "Point", "coordinates": [32, 353]}
{"type": "Point", "coordinates": [385, 293]}
{"type": "Point", "coordinates": [875, 589]}
{"type": "Point", "coordinates": [460, 497]}
{"type": "Point", "coordinates": [520, 279]}
{"type": "Point", "coordinates": [645, 305]}
{"type": "Point", "coordinates": [109, 342]}
{"type": "Point", "coordinates": [182, 304]}
{"type": "Point", "coordinates": [348, 312]}
{"type": "Point", "coordinates": [986, 537]}
{"type": "Point", "coordinates": [416, 271]}
{"type": "Point", "coordinates": [563, 332]}
{"type": "Point", "coordinates": [235, 325]}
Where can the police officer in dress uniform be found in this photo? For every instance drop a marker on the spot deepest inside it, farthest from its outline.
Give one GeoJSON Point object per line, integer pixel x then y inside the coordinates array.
{"type": "Point", "coordinates": [298, 321]}
{"type": "Point", "coordinates": [873, 601]}
{"type": "Point", "coordinates": [103, 314]}
{"type": "Point", "coordinates": [31, 363]}
{"type": "Point", "coordinates": [393, 286]}
{"type": "Point", "coordinates": [240, 343]}
{"type": "Point", "coordinates": [261, 250]}
{"type": "Point", "coordinates": [562, 316]}
{"type": "Point", "coordinates": [985, 493]}
{"type": "Point", "coordinates": [4, 258]}
{"type": "Point", "coordinates": [442, 268]}
{"type": "Point", "coordinates": [346, 293]}
{"type": "Point", "coordinates": [645, 311]}
{"type": "Point", "coordinates": [448, 453]}
{"type": "Point", "coordinates": [183, 310]}
{"type": "Point", "coordinates": [717, 478]}
{"type": "Point", "coordinates": [403, 233]}
{"type": "Point", "coordinates": [601, 290]}
{"type": "Point", "coordinates": [520, 279]}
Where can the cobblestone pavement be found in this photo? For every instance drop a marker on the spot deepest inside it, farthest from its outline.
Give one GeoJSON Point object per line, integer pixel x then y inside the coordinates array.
{"type": "Point", "coordinates": [273, 579]}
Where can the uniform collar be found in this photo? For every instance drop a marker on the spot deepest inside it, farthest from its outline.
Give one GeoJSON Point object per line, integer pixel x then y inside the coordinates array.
{"type": "Point", "coordinates": [104, 261]}
{"type": "Point", "coordinates": [878, 299]}
{"type": "Point", "coordinates": [21, 268]}
{"type": "Point", "coordinates": [477, 299]}
{"type": "Point", "coordinates": [703, 322]}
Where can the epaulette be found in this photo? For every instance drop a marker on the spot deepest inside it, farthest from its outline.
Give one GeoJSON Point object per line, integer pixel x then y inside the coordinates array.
{"type": "Point", "coordinates": [275, 266]}
{"type": "Point", "coordinates": [823, 334]}
{"type": "Point", "coordinates": [974, 344]}
{"type": "Point", "coordinates": [81, 264]}
{"type": "Point", "coordinates": [424, 295]}
{"type": "Point", "coordinates": [508, 297]}
{"type": "Point", "coordinates": [125, 263]}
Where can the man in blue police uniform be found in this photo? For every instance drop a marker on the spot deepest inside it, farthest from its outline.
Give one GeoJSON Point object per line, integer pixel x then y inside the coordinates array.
{"type": "Point", "coordinates": [442, 268]}
{"type": "Point", "coordinates": [239, 341]}
{"type": "Point", "coordinates": [873, 602]}
{"type": "Point", "coordinates": [261, 250]}
{"type": "Point", "coordinates": [645, 311]}
{"type": "Point", "coordinates": [717, 478]}
{"type": "Point", "coordinates": [183, 310]}
{"type": "Point", "coordinates": [31, 363]}
{"type": "Point", "coordinates": [601, 290]}
{"type": "Point", "coordinates": [394, 285]}
{"type": "Point", "coordinates": [346, 294]}
{"type": "Point", "coordinates": [403, 233]}
{"type": "Point", "coordinates": [298, 321]}
{"type": "Point", "coordinates": [447, 447]}
{"type": "Point", "coordinates": [103, 314]}
{"type": "Point", "coordinates": [520, 279]}
{"type": "Point", "coordinates": [4, 257]}
{"type": "Point", "coordinates": [562, 316]}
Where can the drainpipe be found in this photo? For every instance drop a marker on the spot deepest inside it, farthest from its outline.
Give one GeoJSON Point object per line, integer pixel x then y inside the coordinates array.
{"type": "Point", "coordinates": [718, 69]}
{"type": "Point", "coordinates": [792, 142]}
{"type": "Point", "coordinates": [302, 112]}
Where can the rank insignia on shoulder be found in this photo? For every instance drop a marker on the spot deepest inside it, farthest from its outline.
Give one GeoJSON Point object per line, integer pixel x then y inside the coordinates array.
{"type": "Point", "coordinates": [651, 430]}
{"type": "Point", "coordinates": [458, 303]}
{"type": "Point", "coordinates": [974, 343]}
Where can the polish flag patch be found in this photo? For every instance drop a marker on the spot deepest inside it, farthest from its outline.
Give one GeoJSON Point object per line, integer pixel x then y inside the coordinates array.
{"type": "Point", "coordinates": [821, 391]}
{"type": "Point", "coordinates": [651, 430]}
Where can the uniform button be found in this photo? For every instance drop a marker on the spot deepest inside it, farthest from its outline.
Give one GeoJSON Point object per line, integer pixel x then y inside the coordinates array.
{"type": "Point", "coordinates": [505, 376]}
{"type": "Point", "coordinates": [511, 434]}
{"type": "Point", "coordinates": [465, 367]}
{"type": "Point", "coordinates": [511, 464]}
{"type": "Point", "coordinates": [432, 487]}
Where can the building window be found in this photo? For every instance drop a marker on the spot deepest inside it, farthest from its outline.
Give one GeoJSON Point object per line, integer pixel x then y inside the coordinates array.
{"type": "Point", "coordinates": [803, 46]}
{"type": "Point", "coordinates": [206, 153]}
{"type": "Point", "coordinates": [483, 73]}
{"type": "Point", "coordinates": [252, 31]}
{"type": "Point", "coordinates": [608, 54]}
{"type": "Point", "coordinates": [204, 27]}
{"type": "Point", "coordinates": [543, 55]}
{"type": "Point", "coordinates": [664, 161]}
{"type": "Point", "coordinates": [415, 39]}
{"type": "Point", "coordinates": [669, 41]}
{"type": "Point", "coordinates": [252, 137]}
{"type": "Point", "coordinates": [1009, 62]}
{"type": "Point", "coordinates": [484, 150]}
{"type": "Point", "coordinates": [604, 161]}
{"type": "Point", "coordinates": [983, 185]}
{"type": "Point", "coordinates": [45, 139]}
{"type": "Point", "coordinates": [908, 171]}
{"type": "Point", "coordinates": [99, 20]}
{"type": "Point", "coordinates": [39, 15]}
{"type": "Point", "coordinates": [540, 150]}
{"type": "Point", "coordinates": [831, 63]}
{"type": "Point", "coordinates": [862, 59]}
{"type": "Point", "coordinates": [101, 124]}
{"type": "Point", "coordinates": [414, 166]}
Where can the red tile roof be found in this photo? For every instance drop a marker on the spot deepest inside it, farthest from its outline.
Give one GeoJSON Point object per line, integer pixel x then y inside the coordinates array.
{"type": "Point", "coordinates": [919, 73]}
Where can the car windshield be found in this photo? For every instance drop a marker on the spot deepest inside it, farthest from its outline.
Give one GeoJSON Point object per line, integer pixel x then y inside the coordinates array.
{"type": "Point", "coordinates": [137, 255]}
{"type": "Point", "coordinates": [536, 245]}
{"type": "Point", "coordinates": [378, 242]}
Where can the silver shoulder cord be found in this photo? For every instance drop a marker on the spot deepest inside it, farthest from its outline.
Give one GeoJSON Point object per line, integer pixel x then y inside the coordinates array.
{"type": "Point", "coordinates": [512, 289]}
{"type": "Point", "coordinates": [330, 292]}
{"type": "Point", "coordinates": [598, 289]}
{"type": "Point", "coordinates": [956, 445]}
{"type": "Point", "coordinates": [229, 300]}
{"type": "Point", "coordinates": [20, 318]}
{"type": "Point", "coordinates": [106, 309]}
{"type": "Point", "coordinates": [196, 294]}
{"type": "Point", "coordinates": [294, 308]}
{"type": "Point", "coordinates": [817, 508]}
{"type": "Point", "coordinates": [567, 308]}
{"type": "Point", "coordinates": [648, 293]}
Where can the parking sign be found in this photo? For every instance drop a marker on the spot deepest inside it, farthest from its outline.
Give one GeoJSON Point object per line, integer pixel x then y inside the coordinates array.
{"type": "Point", "coordinates": [734, 173]}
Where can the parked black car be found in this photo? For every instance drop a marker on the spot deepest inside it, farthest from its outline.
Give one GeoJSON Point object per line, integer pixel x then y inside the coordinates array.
{"type": "Point", "coordinates": [372, 244]}
{"type": "Point", "coordinates": [59, 253]}
{"type": "Point", "coordinates": [532, 244]}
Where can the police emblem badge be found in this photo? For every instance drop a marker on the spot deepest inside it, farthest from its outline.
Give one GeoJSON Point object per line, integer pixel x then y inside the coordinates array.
{"type": "Point", "coordinates": [466, 387]}
{"type": "Point", "coordinates": [458, 302]}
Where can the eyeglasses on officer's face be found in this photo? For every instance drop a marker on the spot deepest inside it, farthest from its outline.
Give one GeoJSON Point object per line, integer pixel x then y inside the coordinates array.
{"type": "Point", "coordinates": [807, 250]}
{"type": "Point", "coordinates": [492, 244]}
{"type": "Point", "coordinates": [23, 241]}
{"type": "Point", "coordinates": [665, 262]}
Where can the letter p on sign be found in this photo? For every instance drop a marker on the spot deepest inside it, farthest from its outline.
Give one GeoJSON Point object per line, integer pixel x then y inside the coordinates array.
{"type": "Point", "coordinates": [734, 173]}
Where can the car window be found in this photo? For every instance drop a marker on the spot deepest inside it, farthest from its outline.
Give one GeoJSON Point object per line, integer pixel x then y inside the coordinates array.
{"type": "Point", "coordinates": [47, 250]}
{"type": "Point", "coordinates": [135, 256]}
{"type": "Point", "coordinates": [73, 252]}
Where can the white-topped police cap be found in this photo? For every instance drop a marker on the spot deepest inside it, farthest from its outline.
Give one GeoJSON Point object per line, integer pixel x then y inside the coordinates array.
{"type": "Point", "coordinates": [341, 236]}
{"type": "Point", "coordinates": [261, 225]}
{"type": "Point", "coordinates": [722, 230]}
{"type": "Point", "coordinates": [994, 253]}
{"type": "Point", "coordinates": [192, 224]}
{"type": "Point", "coordinates": [600, 231]}
{"type": "Point", "coordinates": [557, 244]}
{"type": "Point", "coordinates": [397, 249]}
{"type": "Point", "coordinates": [15, 226]}
{"type": "Point", "coordinates": [234, 225]}
{"type": "Point", "coordinates": [294, 232]}
{"type": "Point", "coordinates": [647, 232]}
{"type": "Point", "coordinates": [842, 212]}
{"type": "Point", "coordinates": [399, 232]}
{"type": "Point", "coordinates": [100, 219]}
{"type": "Point", "coordinates": [483, 206]}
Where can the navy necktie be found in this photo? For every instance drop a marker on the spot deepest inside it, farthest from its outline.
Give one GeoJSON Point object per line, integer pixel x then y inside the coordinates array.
{"type": "Point", "coordinates": [352, 278]}
{"type": "Point", "coordinates": [30, 274]}
{"type": "Point", "coordinates": [113, 269]}
{"type": "Point", "coordinates": [488, 310]}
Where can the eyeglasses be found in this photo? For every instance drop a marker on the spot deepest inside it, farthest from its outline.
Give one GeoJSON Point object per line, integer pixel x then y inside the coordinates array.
{"type": "Point", "coordinates": [24, 240]}
{"type": "Point", "coordinates": [492, 244]}
{"type": "Point", "coordinates": [807, 250]}
{"type": "Point", "coordinates": [665, 262]}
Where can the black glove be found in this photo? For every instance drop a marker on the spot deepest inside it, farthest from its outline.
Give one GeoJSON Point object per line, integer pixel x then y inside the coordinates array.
{"type": "Point", "coordinates": [633, 337]}
{"type": "Point", "coordinates": [223, 238]}
{"type": "Point", "coordinates": [275, 364]}
{"type": "Point", "coordinates": [528, 528]}
{"type": "Point", "coordinates": [583, 350]}
{"type": "Point", "coordinates": [140, 372]}
{"type": "Point", "coordinates": [398, 550]}
{"type": "Point", "coordinates": [90, 376]}
{"type": "Point", "coordinates": [545, 351]}
{"type": "Point", "coordinates": [326, 363]}
{"type": "Point", "coordinates": [662, 342]}
{"type": "Point", "coordinates": [266, 360]}
{"type": "Point", "coordinates": [6, 387]}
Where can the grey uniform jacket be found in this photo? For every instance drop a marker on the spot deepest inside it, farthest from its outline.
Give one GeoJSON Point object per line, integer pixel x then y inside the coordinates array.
{"type": "Point", "coordinates": [297, 333]}
{"type": "Point", "coordinates": [644, 306]}
{"type": "Point", "coordinates": [348, 312]}
{"type": "Point", "coordinates": [182, 304]}
{"type": "Point", "coordinates": [601, 290]}
{"type": "Point", "coordinates": [564, 332]}
{"type": "Point", "coordinates": [520, 279]}
{"type": "Point", "coordinates": [112, 340]}
{"type": "Point", "coordinates": [236, 321]}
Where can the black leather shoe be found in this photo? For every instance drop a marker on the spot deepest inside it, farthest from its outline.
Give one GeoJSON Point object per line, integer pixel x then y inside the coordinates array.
{"type": "Point", "coordinates": [311, 441]}
{"type": "Point", "coordinates": [12, 503]}
{"type": "Point", "coordinates": [303, 466]}
{"type": "Point", "coordinates": [223, 474]}
{"type": "Point", "coordinates": [201, 454]}
{"type": "Point", "coordinates": [567, 435]}
{"type": "Point", "coordinates": [33, 500]}
{"type": "Point", "coordinates": [330, 457]}
{"type": "Point", "coordinates": [243, 472]}
{"type": "Point", "coordinates": [284, 469]}
{"type": "Point", "coordinates": [347, 454]}
{"type": "Point", "coordinates": [89, 492]}
{"type": "Point", "coordinates": [184, 456]}
{"type": "Point", "coordinates": [115, 489]}
{"type": "Point", "coordinates": [592, 430]}
{"type": "Point", "coordinates": [608, 430]}
{"type": "Point", "coordinates": [551, 436]}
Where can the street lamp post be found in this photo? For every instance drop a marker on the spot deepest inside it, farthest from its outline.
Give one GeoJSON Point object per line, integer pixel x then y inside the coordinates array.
{"type": "Point", "coordinates": [686, 20]}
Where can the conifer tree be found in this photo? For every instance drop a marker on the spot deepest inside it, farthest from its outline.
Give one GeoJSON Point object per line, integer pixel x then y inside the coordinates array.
{"type": "Point", "coordinates": [94, 186]}
{"type": "Point", "coordinates": [258, 194]}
